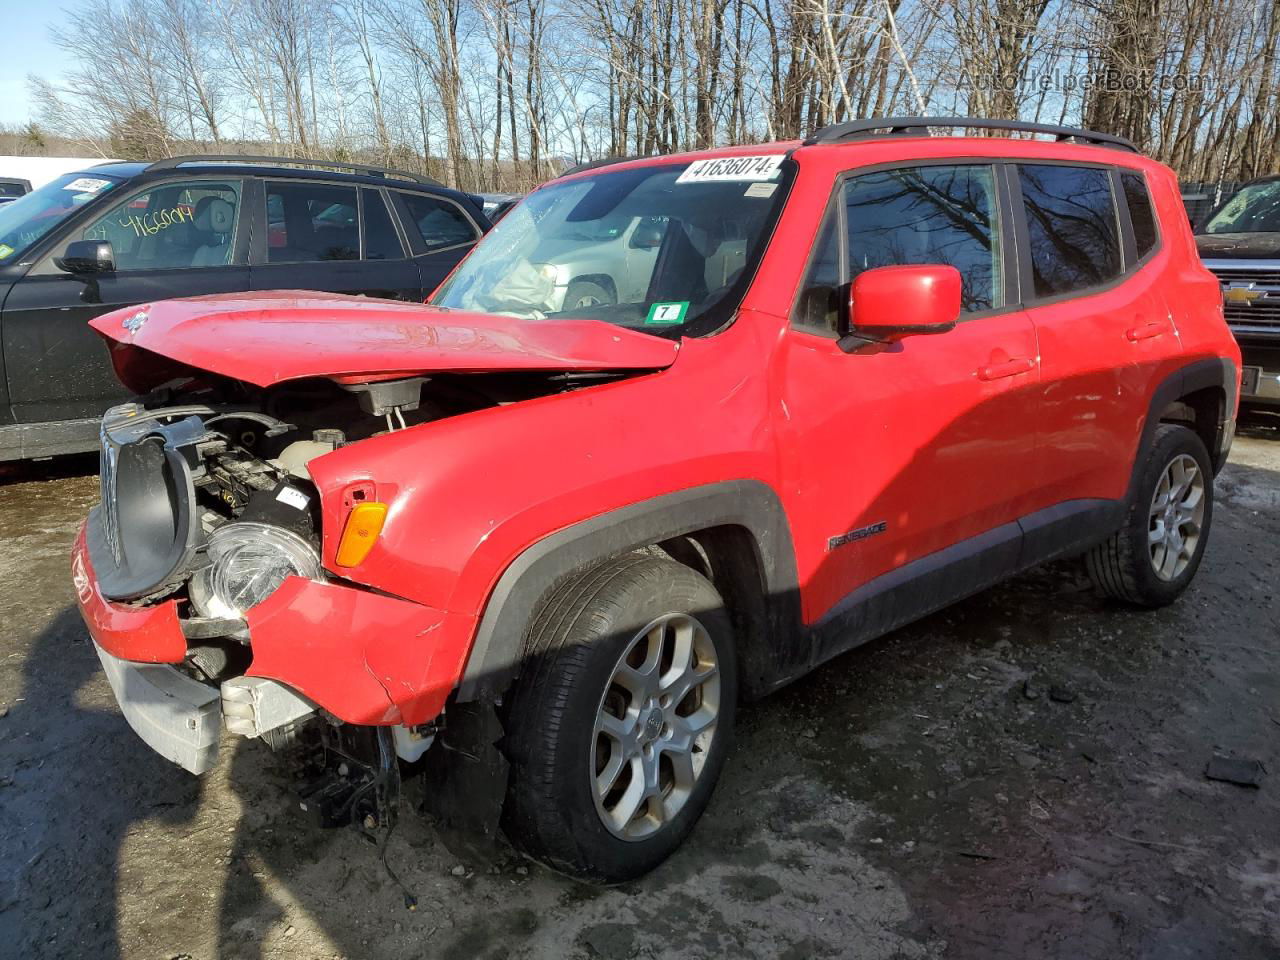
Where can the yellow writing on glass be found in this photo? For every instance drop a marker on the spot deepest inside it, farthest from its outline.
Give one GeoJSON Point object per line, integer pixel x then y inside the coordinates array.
{"type": "Point", "coordinates": [150, 224]}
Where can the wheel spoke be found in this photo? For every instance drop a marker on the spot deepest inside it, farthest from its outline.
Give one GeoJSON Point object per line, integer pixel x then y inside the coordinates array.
{"type": "Point", "coordinates": [621, 730]}
{"type": "Point", "coordinates": [628, 805]}
{"type": "Point", "coordinates": [689, 680]}
{"type": "Point", "coordinates": [1157, 533]}
{"type": "Point", "coordinates": [682, 768]}
{"type": "Point", "coordinates": [607, 777]}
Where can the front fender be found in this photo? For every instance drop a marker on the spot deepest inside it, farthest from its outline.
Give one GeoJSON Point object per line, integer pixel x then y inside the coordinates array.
{"type": "Point", "coordinates": [495, 654]}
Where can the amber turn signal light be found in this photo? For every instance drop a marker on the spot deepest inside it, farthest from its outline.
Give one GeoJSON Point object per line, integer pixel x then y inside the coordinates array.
{"type": "Point", "coordinates": [364, 523]}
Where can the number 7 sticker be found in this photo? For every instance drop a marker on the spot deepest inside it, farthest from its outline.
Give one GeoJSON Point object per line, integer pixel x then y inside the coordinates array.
{"type": "Point", "coordinates": [667, 313]}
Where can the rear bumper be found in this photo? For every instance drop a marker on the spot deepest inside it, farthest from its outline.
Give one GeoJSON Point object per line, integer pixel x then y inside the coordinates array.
{"type": "Point", "coordinates": [364, 657]}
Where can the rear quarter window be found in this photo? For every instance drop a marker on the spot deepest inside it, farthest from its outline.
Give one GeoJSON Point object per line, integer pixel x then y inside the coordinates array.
{"type": "Point", "coordinates": [439, 222]}
{"type": "Point", "coordinates": [1072, 226]}
{"type": "Point", "coordinates": [1141, 213]}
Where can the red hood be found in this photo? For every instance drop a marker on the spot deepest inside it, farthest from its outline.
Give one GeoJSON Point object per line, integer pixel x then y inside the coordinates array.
{"type": "Point", "coordinates": [266, 338]}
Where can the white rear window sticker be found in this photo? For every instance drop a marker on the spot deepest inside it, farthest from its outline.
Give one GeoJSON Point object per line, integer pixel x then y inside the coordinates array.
{"type": "Point", "coordinates": [732, 168]}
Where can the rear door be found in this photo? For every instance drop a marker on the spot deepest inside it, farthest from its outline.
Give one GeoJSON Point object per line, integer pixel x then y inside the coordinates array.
{"type": "Point", "coordinates": [440, 232]}
{"type": "Point", "coordinates": [894, 454]}
{"type": "Point", "coordinates": [177, 238]}
{"type": "Point", "coordinates": [335, 237]}
{"type": "Point", "coordinates": [1103, 324]}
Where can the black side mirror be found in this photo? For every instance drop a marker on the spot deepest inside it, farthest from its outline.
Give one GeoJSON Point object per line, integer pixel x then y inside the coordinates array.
{"type": "Point", "coordinates": [87, 257]}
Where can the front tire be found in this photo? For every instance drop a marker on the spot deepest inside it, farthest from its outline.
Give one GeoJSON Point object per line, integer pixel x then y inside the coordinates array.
{"type": "Point", "coordinates": [583, 294]}
{"type": "Point", "coordinates": [1153, 558]}
{"type": "Point", "coordinates": [621, 720]}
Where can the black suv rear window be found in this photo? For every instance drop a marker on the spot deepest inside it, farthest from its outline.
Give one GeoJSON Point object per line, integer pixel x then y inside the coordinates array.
{"type": "Point", "coordinates": [1072, 227]}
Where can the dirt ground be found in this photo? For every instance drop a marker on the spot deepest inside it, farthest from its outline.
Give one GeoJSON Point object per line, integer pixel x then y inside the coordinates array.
{"type": "Point", "coordinates": [1021, 776]}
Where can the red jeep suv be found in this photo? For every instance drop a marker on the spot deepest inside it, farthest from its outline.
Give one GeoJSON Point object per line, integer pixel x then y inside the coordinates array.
{"type": "Point", "coordinates": [678, 430]}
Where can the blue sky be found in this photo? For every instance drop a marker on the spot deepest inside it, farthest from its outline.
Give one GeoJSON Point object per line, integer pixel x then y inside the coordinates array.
{"type": "Point", "coordinates": [24, 49]}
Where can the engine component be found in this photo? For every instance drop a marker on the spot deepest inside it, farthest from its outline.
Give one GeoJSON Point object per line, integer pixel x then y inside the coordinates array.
{"type": "Point", "coordinates": [253, 706]}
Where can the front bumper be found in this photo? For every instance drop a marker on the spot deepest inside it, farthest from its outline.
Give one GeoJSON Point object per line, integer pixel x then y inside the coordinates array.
{"type": "Point", "coordinates": [176, 716]}
{"type": "Point", "coordinates": [364, 657]}
{"type": "Point", "coordinates": [1264, 390]}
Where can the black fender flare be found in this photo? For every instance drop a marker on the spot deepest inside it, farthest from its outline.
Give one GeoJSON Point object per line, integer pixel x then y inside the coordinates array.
{"type": "Point", "coordinates": [496, 651]}
{"type": "Point", "coordinates": [1198, 375]}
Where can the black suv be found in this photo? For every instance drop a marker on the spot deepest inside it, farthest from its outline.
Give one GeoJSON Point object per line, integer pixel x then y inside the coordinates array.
{"type": "Point", "coordinates": [126, 233]}
{"type": "Point", "coordinates": [1240, 242]}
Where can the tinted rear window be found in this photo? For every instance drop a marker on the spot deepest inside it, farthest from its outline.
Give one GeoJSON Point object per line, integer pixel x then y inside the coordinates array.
{"type": "Point", "coordinates": [1141, 215]}
{"type": "Point", "coordinates": [1071, 222]}
{"type": "Point", "coordinates": [440, 223]}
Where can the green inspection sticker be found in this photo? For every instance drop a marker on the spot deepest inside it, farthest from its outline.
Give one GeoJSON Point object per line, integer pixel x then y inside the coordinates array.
{"type": "Point", "coordinates": [667, 313]}
{"type": "Point", "coordinates": [5, 250]}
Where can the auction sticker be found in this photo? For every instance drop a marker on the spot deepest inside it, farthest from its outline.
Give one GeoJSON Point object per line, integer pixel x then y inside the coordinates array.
{"type": "Point", "coordinates": [732, 168]}
{"type": "Point", "coordinates": [86, 185]}
{"type": "Point", "coordinates": [667, 313]}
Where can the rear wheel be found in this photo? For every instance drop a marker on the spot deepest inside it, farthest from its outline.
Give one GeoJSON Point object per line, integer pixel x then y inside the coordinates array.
{"type": "Point", "coordinates": [1155, 555]}
{"type": "Point", "coordinates": [619, 725]}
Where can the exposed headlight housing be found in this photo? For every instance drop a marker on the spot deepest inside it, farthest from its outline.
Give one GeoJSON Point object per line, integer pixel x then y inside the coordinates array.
{"type": "Point", "coordinates": [247, 563]}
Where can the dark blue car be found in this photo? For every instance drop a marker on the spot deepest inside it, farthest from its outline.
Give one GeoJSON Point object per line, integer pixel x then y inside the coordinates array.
{"type": "Point", "coordinates": [124, 233]}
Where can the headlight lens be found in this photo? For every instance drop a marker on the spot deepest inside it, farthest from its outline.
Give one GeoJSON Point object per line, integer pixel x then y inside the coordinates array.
{"type": "Point", "coordinates": [247, 562]}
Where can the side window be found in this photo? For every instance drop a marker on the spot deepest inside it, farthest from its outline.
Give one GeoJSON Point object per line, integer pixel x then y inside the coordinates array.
{"type": "Point", "coordinates": [1071, 222]}
{"type": "Point", "coordinates": [440, 223]}
{"type": "Point", "coordinates": [1141, 213]}
{"type": "Point", "coordinates": [380, 239]}
{"type": "Point", "coordinates": [309, 222]}
{"type": "Point", "coordinates": [172, 226]}
{"type": "Point", "coordinates": [931, 214]}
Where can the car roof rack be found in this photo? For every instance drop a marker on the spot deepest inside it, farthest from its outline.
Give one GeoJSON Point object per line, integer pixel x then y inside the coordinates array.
{"type": "Point", "coordinates": [908, 126]}
{"type": "Point", "coordinates": [336, 165]}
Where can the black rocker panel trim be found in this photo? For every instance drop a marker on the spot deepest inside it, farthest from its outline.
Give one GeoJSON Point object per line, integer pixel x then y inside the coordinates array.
{"type": "Point", "coordinates": [940, 579]}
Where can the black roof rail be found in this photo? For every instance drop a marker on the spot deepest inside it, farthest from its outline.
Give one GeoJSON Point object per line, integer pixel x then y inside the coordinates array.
{"type": "Point", "coordinates": [906, 126]}
{"type": "Point", "coordinates": [593, 164]}
{"type": "Point", "coordinates": [367, 170]}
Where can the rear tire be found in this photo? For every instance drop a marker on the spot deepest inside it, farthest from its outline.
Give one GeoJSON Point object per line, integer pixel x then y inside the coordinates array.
{"type": "Point", "coordinates": [1154, 556]}
{"type": "Point", "coordinates": [608, 775]}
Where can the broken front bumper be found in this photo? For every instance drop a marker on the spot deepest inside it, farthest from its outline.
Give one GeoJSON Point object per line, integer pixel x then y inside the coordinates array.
{"type": "Point", "coordinates": [366, 658]}
{"type": "Point", "coordinates": [176, 716]}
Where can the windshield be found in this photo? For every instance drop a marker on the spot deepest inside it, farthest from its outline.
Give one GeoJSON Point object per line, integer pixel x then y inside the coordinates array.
{"type": "Point", "coordinates": [667, 249]}
{"type": "Point", "coordinates": [27, 219]}
{"type": "Point", "coordinates": [1251, 209]}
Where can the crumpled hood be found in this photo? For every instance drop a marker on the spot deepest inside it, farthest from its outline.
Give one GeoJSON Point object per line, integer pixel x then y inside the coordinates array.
{"type": "Point", "coordinates": [267, 338]}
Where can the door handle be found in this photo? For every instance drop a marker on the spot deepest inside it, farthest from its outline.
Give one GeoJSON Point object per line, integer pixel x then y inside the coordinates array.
{"type": "Point", "coordinates": [1145, 331]}
{"type": "Point", "coordinates": [1006, 368]}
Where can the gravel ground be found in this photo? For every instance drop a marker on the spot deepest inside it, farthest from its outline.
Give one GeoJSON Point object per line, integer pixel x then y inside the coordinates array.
{"type": "Point", "coordinates": [1021, 776]}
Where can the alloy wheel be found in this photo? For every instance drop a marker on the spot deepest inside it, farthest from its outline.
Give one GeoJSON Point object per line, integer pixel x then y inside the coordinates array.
{"type": "Point", "coordinates": [1177, 517]}
{"type": "Point", "coordinates": [654, 726]}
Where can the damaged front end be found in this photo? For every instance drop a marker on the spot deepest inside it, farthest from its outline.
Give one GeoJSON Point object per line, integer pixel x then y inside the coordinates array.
{"type": "Point", "coordinates": [200, 578]}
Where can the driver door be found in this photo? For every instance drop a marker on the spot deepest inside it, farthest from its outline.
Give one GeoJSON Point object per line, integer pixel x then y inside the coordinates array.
{"type": "Point", "coordinates": [172, 239]}
{"type": "Point", "coordinates": [900, 452]}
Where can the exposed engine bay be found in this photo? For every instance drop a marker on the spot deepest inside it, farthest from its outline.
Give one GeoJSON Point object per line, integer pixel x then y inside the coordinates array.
{"type": "Point", "coordinates": [208, 503]}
